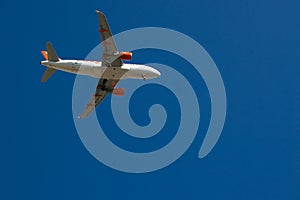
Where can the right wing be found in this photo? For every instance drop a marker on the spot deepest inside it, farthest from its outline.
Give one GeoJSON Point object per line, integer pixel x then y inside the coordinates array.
{"type": "Point", "coordinates": [110, 54]}
{"type": "Point", "coordinates": [104, 87]}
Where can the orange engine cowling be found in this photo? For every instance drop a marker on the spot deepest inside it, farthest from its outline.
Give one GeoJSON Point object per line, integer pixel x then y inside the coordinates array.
{"type": "Point", "coordinates": [125, 55]}
{"type": "Point", "coordinates": [118, 91]}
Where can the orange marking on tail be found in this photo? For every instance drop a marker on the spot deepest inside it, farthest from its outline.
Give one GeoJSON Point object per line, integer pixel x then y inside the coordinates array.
{"type": "Point", "coordinates": [45, 54]}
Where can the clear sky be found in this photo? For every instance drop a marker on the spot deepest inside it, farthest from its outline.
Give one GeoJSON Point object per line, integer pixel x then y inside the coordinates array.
{"type": "Point", "coordinates": [255, 45]}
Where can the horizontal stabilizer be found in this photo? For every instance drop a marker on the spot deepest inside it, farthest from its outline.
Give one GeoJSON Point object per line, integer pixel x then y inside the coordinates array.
{"type": "Point", "coordinates": [52, 56]}
{"type": "Point", "coordinates": [48, 73]}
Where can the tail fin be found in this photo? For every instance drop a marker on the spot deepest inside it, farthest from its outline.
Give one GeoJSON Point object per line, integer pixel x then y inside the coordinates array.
{"type": "Point", "coordinates": [51, 54]}
{"type": "Point", "coordinates": [45, 54]}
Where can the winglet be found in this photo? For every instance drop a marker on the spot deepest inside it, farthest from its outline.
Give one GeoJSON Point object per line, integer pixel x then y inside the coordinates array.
{"type": "Point", "coordinates": [98, 11]}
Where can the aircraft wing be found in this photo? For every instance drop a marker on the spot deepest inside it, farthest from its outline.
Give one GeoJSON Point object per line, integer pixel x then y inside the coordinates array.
{"type": "Point", "coordinates": [111, 60]}
{"type": "Point", "coordinates": [110, 54]}
{"type": "Point", "coordinates": [104, 87]}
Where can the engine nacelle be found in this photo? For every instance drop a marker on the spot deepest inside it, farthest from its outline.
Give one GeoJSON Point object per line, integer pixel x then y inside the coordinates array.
{"type": "Point", "coordinates": [125, 55]}
{"type": "Point", "coordinates": [118, 91]}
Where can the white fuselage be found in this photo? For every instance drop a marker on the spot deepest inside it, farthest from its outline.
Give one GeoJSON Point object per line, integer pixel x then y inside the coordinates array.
{"type": "Point", "coordinates": [94, 69]}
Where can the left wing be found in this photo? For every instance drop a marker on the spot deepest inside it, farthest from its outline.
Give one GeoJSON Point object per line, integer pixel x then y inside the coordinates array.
{"type": "Point", "coordinates": [110, 54]}
{"type": "Point", "coordinates": [104, 87]}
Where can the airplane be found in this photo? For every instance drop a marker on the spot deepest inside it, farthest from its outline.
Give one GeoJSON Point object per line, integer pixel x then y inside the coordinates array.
{"type": "Point", "coordinates": [110, 71]}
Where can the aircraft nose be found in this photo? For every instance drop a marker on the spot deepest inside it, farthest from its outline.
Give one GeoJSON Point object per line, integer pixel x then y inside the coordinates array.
{"type": "Point", "coordinates": [156, 73]}
{"type": "Point", "coordinates": [150, 72]}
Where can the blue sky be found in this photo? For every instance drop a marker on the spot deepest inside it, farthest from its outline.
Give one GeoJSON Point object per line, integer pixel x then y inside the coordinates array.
{"type": "Point", "coordinates": [255, 45]}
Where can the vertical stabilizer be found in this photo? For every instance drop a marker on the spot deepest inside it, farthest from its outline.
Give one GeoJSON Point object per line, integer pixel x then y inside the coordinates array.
{"type": "Point", "coordinates": [49, 55]}
{"type": "Point", "coordinates": [45, 54]}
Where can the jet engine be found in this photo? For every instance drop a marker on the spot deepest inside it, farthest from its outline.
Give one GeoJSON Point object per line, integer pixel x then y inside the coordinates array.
{"type": "Point", "coordinates": [125, 55]}
{"type": "Point", "coordinates": [118, 91]}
